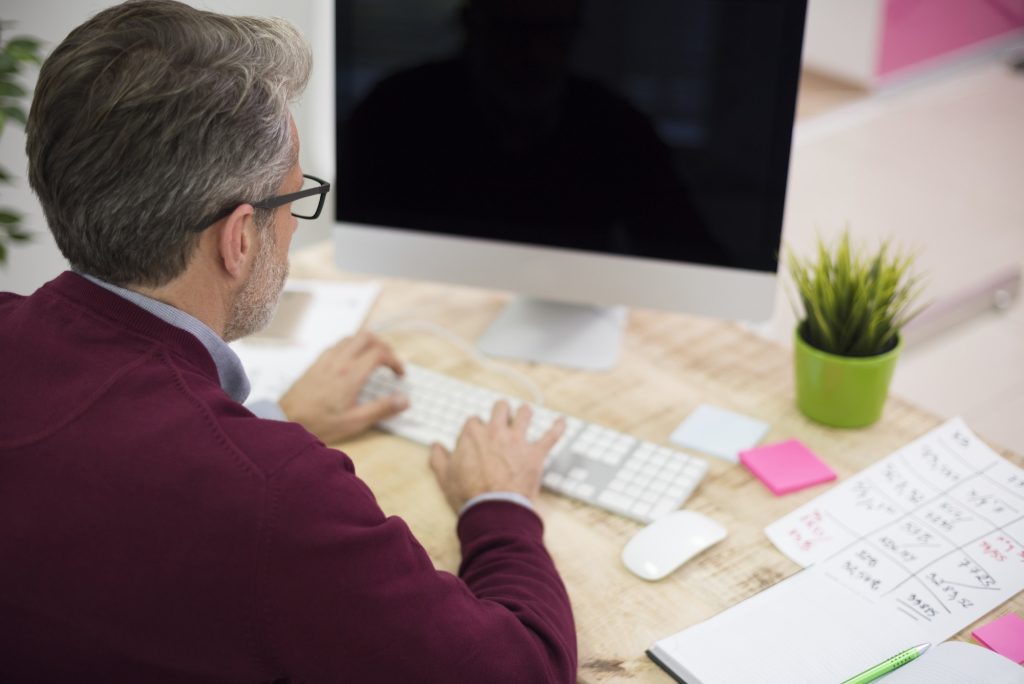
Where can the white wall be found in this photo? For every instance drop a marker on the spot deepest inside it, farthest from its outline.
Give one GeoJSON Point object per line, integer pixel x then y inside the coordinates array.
{"type": "Point", "coordinates": [841, 39]}
{"type": "Point", "coordinates": [31, 265]}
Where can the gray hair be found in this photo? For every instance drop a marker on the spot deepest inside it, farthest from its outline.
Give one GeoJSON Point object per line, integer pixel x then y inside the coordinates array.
{"type": "Point", "coordinates": [148, 120]}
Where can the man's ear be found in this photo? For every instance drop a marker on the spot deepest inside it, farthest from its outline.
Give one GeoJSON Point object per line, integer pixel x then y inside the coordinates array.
{"type": "Point", "coordinates": [235, 240]}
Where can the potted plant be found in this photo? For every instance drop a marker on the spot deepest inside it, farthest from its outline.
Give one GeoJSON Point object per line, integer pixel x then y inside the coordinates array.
{"type": "Point", "coordinates": [850, 305]}
{"type": "Point", "coordinates": [14, 54]}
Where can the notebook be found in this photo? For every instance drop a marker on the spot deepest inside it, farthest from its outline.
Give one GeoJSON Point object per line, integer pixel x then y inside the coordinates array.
{"type": "Point", "coordinates": [910, 551]}
{"type": "Point", "coordinates": [803, 630]}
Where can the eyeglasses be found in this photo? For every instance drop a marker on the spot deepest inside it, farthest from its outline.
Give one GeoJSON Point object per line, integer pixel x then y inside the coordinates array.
{"type": "Point", "coordinates": [307, 203]}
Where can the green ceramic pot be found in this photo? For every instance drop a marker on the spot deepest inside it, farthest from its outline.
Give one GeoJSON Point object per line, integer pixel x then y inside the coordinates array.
{"type": "Point", "coordinates": [842, 391]}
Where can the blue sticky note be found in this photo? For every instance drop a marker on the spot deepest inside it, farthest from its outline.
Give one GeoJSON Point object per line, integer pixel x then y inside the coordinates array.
{"type": "Point", "coordinates": [719, 432]}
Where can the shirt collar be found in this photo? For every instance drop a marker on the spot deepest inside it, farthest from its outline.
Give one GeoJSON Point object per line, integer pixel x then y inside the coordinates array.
{"type": "Point", "coordinates": [230, 372]}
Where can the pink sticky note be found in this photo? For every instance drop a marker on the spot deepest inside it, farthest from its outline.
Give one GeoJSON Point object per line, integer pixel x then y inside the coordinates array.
{"type": "Point", "coordinates": [786, 467]}
{"type": "Point", "coordinates": [1005, 636]}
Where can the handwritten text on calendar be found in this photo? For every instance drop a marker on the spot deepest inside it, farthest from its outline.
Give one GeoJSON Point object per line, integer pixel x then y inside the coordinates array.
{"type": "Point", "coordinates": [936, 529]}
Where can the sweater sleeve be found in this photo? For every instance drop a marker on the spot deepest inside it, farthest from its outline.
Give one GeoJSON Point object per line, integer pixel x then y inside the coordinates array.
{"type": "Point", "coordinates": [344, 593]}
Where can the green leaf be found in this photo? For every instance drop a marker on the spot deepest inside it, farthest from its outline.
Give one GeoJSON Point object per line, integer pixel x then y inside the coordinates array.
{"type": "Point", "coordinates": [8, 64]}
{"type": "Point", "coordinates": [24, 49]}
{"type": "Point", "coordinates": [23, 44]}
{"type": "Point", "coordinates": [3, 252]}
{"type": "Point", "coordinates": [16, 113]}
{"type": "Point", "coordinates": [10, 89]}
{"type": "Point", "coordinates": [7, 216]}
{"type": "Point", "coordinates": [5, 177]}
{"type": "Point", "coordinates": [13, 230]}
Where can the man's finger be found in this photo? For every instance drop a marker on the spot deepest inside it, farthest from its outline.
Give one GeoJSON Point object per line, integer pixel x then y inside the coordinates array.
{"type": "Point", "coordinates": [371, 357]}
{"type": "Point", "coordinates": [360, 341]}
{"type": "Point", "coordinates": [348, 348]}
{"type": "Point", "coordinates": [343, 347]}
{"type": "Point", "coordinates": [522, 418]}
{"type": "Point", "coordinates": [367, 414]}
{"type": "Point", "coordinates": [439, 459]}
{"type": "Point", "coordinates": [472, 424]}
{"type": "Point", "coordinates": [390, 359]}
{"type": "Point", "coordinates": [552, 435]}
{"type": "Point", "coordinates": [499, 413]}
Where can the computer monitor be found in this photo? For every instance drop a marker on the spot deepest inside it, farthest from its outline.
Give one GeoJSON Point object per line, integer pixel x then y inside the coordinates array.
{"type": "Point", "coordinates": [587, 155]}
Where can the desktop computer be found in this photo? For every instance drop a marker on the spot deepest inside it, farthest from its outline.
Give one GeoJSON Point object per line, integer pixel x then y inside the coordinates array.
{"type": "Point", "coordinates": [587, 155]}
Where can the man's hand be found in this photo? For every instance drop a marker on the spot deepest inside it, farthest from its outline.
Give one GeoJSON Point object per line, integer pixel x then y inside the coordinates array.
{"type": "Point", "coordinates": [493, 457]}
{"type": "Point", "coordinates": [323, 400]}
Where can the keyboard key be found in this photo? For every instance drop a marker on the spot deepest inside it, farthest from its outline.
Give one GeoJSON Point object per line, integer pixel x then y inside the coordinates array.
{"type": "Point", "coordinates": [641, 508]}
{"type": "Point", "coordinates": [663, 508]}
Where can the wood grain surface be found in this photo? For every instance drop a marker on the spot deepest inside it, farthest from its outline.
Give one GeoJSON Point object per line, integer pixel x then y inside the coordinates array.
{"type": "Point", "coordinates": [670, 364]}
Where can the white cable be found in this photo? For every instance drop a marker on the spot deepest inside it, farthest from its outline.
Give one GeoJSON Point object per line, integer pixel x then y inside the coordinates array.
{"type": "Point", "coordinates": [415, 325]}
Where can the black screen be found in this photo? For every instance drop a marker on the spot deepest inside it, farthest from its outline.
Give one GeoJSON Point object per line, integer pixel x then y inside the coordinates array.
{"type": "Point", "coordinates": [654, 128]}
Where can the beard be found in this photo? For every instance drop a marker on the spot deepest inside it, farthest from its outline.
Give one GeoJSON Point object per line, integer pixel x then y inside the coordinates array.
{"type": "Point", "coordinates": [256, 302]}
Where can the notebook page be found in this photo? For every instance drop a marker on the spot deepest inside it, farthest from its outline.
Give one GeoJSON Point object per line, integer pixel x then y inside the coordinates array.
{"type": "Point", "coordinates": [803, 629]}
{"type": "Point", "coordinates": [957, 662]}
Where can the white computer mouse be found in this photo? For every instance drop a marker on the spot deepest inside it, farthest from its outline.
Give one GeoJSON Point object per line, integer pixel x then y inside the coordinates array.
{"type": "Point", "coordinates": [668, 542]}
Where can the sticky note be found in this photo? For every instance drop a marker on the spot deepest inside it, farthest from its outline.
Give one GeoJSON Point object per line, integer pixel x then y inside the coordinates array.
{"type": "Point", "coordinates": [718, 432]}
{"type": "Point", "coordinates": [786, 467]}
{"type": "Point", "coordinates": [1005, 636]}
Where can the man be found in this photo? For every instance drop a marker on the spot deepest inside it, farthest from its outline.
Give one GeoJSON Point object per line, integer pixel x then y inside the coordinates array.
{"type": "Point", "coordinates": [152, 529]}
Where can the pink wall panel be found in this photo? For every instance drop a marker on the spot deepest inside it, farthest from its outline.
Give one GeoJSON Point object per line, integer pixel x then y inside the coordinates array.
{"type": "Point", "coordinates": [916, 30]}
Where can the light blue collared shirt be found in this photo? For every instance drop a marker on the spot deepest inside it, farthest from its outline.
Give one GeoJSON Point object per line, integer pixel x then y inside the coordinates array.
{"type": "Point", "coordinates": [231, 374]}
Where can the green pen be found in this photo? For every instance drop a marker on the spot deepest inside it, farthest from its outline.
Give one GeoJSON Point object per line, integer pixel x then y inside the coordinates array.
{"type": "Point", "coordinates": [884, 668]}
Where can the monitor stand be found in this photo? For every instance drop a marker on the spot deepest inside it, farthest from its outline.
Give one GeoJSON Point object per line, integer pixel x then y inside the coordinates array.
{"type": "Point", "coordinates": [574, 335]}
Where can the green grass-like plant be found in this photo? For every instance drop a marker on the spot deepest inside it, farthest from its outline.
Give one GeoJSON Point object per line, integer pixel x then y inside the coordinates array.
{"type": "Point", "coordinates": [15, 54]}
{"type": "Point", "coordinates": [853, 303]}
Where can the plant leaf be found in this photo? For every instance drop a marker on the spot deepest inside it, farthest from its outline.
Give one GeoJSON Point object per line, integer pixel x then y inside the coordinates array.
{"type": "Point", "coordinates": [24, 49]}
{"type": "Point", "coordinates": [16, 113]}
{"type": "Point", "coordinates": [11, 89]}
{"type": "Point", "coordinates": [8, 64]}
{"type": "Point", "coordinates": [23, 44]}
{"type": "Point", "coordinates": [8, 217]}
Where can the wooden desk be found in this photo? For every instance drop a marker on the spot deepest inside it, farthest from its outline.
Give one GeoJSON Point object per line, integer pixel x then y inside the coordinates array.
{"type": "Point", "coordinates": [670, 364]}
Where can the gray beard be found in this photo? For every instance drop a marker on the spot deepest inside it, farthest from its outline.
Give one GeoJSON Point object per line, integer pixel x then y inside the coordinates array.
{"type": "Point", "coordinates": [256, 302]}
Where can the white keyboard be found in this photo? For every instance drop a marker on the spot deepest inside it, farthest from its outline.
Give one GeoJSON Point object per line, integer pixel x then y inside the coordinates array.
{"type": "Point", "coordinates": [592, 463]}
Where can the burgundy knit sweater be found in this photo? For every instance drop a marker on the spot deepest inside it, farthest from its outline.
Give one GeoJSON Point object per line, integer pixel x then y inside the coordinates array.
{"type": "Point", "coordinates": [154, 530]}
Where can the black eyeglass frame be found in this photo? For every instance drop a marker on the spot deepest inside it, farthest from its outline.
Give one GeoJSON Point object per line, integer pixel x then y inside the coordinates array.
{"type": "Point", "coordinates": [273, 202]}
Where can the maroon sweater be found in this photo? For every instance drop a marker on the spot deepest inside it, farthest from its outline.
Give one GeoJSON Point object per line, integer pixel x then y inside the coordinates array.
{"type": "Point", "coordinates": [154, 530]}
